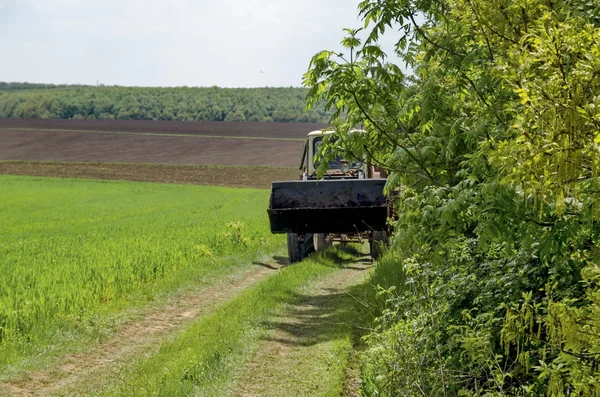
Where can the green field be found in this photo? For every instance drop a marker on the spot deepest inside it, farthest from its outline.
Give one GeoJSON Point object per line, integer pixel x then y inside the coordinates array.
{"type": "Point", "coordinates": [76, 254]}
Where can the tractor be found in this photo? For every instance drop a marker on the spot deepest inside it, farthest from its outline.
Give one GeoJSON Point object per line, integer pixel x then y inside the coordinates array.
{"type": "Point", "coordinates": [346, 204]}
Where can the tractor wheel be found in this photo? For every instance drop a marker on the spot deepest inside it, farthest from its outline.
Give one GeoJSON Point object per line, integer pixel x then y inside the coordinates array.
{"type": "Point", "coordinates": [320, 242]}
{"type": "Point", "coordinates": [378, 242]}
{"type": "Point", "coordinates": [299, 247]}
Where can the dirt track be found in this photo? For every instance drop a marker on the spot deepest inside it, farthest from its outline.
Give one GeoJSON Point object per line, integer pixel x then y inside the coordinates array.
{"type": "Point", "coordinates": [76, 372]}
{"type": "Point", "coordinates": [295, 359]}
{"type": "Point", "coordinates": [304, 342]}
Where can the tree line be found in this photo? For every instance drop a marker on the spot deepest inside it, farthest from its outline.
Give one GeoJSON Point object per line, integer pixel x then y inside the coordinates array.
{"type": "Point", "coordinates": [491, 287]}
{"type": "Point", "coordinates": [26, 100]}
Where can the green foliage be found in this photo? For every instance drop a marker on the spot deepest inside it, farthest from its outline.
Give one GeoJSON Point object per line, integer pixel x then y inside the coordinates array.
{"type": "Point", "coordinates": [23, 100]}
{"type": "Point", "coordinates": [76, 251]}
{"type": "Point", "coordinates": [234, 234]}
{"type": "Point", "coordinates": [493, 144]}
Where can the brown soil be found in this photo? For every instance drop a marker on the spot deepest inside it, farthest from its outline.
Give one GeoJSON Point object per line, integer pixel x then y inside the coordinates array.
{"type": "Point", "coordinates": [138, 148]}
{"type": "Point", "coordinates": [76, 373]}
{"type": "Point", "coordinates": [253, 177]}
{"type": "Point", "coordinates": [131, 141]}
{"type": "Point", "coordinates": [248, 129]}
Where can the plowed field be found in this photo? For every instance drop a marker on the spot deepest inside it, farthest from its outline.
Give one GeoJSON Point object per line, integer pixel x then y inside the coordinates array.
{"type": "Point", "coordinates": [254, 177]}
{"type": "Point", "coordinates": [212, 143]}
{"type": "Point", "coordinates": [247, 129]}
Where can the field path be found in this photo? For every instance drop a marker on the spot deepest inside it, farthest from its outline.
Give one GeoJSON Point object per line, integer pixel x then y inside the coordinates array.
{"type": "Point", "coordinates": [308, 348]}
{"type": "Point", "coordinates": [134, 340]}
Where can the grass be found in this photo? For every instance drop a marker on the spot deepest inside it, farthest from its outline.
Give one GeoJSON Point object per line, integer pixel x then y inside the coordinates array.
{"type": "Point", "coordinates": [208, 357]}
{"type": "Point", "coordinates": [75, 254]}
{"type": "Point", "coordinates": [308, 350]}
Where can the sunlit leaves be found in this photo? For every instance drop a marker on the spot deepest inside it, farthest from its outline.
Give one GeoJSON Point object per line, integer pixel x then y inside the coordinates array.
{"type": "Point", "coordinates": [494, 145]}
{"type": "Point", "coordinates": [351, 41]}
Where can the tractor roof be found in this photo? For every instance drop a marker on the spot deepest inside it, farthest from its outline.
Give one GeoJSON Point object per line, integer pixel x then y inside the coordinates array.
{"type": "Point", "coordinates": [320, 132]}
{"type": "Point", "coordinates": [328, 132]}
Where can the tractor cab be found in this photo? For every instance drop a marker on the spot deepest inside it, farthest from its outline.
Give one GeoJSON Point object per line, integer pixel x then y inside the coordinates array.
{"type": "Point", "coordinates": [336, 168]}
{"type": "Point", "coordinates": [348, 200]}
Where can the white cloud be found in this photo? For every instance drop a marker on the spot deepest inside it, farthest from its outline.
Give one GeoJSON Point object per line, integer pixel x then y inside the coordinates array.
{"type": "Point", "coordinates": [167, 43]}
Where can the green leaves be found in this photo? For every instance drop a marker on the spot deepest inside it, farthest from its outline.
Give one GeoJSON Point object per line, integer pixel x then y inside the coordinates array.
{"type": "Point", "coordinates": [493, 144]}
{"type": "Point", "coordinates": [189, 104]}
{"type": "Point", "coordinates": [351, 41]}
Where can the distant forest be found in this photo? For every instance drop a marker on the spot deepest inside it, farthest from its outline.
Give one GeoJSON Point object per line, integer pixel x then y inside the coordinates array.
{"type": "Point", "coordinates": [26, 100]}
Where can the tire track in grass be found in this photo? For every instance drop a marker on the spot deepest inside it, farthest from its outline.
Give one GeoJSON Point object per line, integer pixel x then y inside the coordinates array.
{"type": "Point", "coordinates": [307, 350]}
{"type": "Point", "coordinates": [133, 340]}
{"type": "Point", "coordinates": [210, 355]}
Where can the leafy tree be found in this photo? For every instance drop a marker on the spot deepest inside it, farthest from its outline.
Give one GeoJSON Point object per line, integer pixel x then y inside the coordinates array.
{"type": "Point", "coordinates": [238, 115]}
{"type": "Point", "coordinates": [493, 144]}
{"type": "Point", "coordinates": [214, 104]}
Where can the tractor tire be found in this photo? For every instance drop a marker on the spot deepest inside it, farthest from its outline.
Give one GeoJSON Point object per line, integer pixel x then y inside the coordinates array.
{"type": "Point", "coordinates": [299, 248]}
{"type": "Point", "coordinates": [378, 242]}
{"type": "Point", "coordinates": [320, 241]}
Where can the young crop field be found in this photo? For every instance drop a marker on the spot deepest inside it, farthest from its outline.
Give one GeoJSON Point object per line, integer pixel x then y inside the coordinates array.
{"type": "Point", "coordinates": [75, 254]}
{"type": "Point", "coordinates": [128, 288]}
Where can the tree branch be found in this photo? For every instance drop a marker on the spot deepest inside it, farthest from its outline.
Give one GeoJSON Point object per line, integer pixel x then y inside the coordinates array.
{"type": "Point", "coordinates": [433, 43]}
{"type": "Point", "coordinates": [483, 22]}
{"type": "Point", "coordinates": [394, 141]}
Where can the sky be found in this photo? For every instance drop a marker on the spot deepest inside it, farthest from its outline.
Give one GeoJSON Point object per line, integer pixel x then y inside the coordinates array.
{"type": "Point", "coordinates": [226, 43]}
